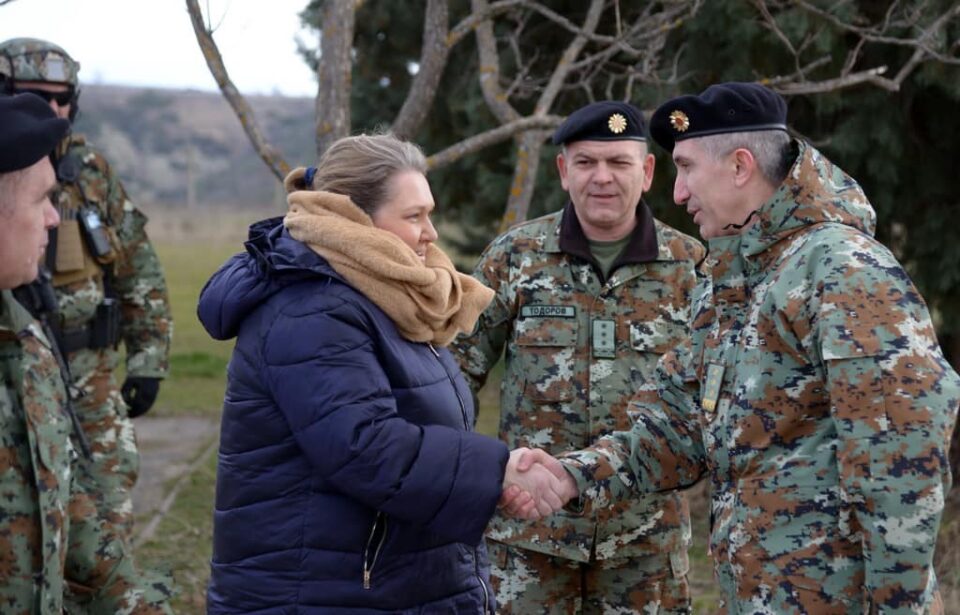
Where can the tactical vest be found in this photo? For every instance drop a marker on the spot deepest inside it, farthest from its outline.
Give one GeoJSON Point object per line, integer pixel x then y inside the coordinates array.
{"type": "Point", "coordinates": [85, 246]}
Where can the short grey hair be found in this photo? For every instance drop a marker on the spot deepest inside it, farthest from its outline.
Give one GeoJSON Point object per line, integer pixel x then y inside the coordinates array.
{"type": "Point", "coordinates": [361, 166]}
{"type": "Point", "coordinates": [770, 148]}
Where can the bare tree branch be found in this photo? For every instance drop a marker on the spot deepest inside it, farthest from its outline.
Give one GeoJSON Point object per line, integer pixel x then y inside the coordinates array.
{"type": "Point", "coordinates": [490, 137]}
{"type": "Point", "coordinates": [493, 93]}
{"type": "Point", "coordinates": [477, 17]}
{"type": "Point", "coordinates": [563, 67]}
{"type": "Point", "coordinates": [6, 2]}
{"type": "Point", "coordinates": [896, 18]}
{"type": "Point", "coordinates": [334, 77]}
{"type": "Point", "coordinates": [771, 24]}
{"type": "Point", "coordinates": [878, 35]}
{"type": "Point", "coordinates": [531, 142]}
{"type": "Point", "coordinates": [238, 103]}
{"type": "Point", "coordinates": [524, 178]}
{"type": "Point", "coordinates": [433, 60]}
{"type": "Point", "coordinates": [872, 75]}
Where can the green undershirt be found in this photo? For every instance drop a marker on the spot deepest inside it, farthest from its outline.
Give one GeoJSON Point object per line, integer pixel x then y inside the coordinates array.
{"type": "Point", "coordinates": [606, 252]}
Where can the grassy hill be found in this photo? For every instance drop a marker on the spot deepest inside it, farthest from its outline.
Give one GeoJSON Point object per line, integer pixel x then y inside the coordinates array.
{"type": "Point", "coordinates": [176, 147]}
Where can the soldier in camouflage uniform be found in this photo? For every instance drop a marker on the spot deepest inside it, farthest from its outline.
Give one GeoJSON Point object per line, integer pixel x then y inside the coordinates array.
{"type": "Point", "coordinates": [50, 534]}
{"type": "Point", "coordinates": [814, 393]}
{"type": "Point", "coordinates": [587, 299]}
{"type": "Point", "coordinates": [110, 286]}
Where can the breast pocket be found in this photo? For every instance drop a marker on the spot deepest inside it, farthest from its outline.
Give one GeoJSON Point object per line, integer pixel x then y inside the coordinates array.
{"type": "Point", "coordinates": [546, 349]}
{"type": "Point", "coordinates": [656, 336]}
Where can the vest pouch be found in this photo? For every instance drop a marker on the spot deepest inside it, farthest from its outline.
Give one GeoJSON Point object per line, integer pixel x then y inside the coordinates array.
{"type": "Point", "coordinates": [69, 255]}
{"type": "Point", "coordinates": [106, 324]}
{"type": "Point", "coordinates": [98, 241]}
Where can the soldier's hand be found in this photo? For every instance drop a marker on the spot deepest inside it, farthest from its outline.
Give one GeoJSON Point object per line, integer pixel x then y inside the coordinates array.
{"type": "Point", "coordinates": [139, 392]}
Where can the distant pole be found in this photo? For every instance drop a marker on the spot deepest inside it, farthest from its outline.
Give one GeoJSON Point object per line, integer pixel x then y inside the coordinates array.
{"type": "Point", "coordinates": [191, 177]}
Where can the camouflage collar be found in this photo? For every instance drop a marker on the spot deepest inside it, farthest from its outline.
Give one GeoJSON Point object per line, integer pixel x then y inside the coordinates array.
{"type": "Point", "coordinates": [642, 247]}
{"type": "Point", "coordinates": [815, 191]}
{"type": "Point", "coordinates": [15, 320]}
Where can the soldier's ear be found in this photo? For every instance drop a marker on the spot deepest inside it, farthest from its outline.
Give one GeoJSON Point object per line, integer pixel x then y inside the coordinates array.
{"type": "Point", "coordinates": [649, 164]}
{"type": "Point", "coordinates": [562, 168]}
{"type": "Point", "coordinates": [745, 165]}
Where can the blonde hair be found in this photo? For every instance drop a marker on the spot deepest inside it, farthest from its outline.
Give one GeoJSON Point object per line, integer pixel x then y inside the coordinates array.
{"type": "Point", "coordinates": [360, 167]}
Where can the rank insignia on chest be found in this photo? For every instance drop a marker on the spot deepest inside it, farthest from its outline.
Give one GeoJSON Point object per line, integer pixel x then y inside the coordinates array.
{"type": "Point", "coordinates": [604, 338]}
{"type": "Point", "coordinates": [711, 388]}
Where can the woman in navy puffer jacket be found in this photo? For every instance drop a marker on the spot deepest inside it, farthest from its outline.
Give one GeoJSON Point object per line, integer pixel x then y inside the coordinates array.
{"type": "Point", "coordinates": [349, 479]}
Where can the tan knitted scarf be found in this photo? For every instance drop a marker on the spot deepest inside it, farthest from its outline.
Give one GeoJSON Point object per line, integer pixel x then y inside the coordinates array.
{"type": "Point", "coordinates": [429, 302]}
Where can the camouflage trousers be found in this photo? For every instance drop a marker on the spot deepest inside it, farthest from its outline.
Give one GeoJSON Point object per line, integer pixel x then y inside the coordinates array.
{"type": "Point", "coordinates": [101, 573]}
{"type": "Point", "coordinates": [528, 583]}
{"type": "Point", "coordinates": [115, 461]}
{"type": "Point", "coordinates": [109, 476]}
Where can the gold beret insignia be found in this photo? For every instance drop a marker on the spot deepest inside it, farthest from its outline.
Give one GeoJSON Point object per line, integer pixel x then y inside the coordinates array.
{"type": "Point", "coordinates": [617, 123]}
{"type": "Point", "coordinates": [679, 121]}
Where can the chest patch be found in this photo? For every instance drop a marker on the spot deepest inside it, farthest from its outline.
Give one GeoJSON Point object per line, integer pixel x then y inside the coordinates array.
{"type": "Point", "coordinates": [548, 311]}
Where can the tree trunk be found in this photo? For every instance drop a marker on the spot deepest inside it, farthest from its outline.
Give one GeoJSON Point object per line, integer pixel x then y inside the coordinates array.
{"type": "Point", "coordinates": [273, 159]}
{"type": "Point", "coordinates": [529, 145]}
{"type": "Point", "coordinates": [433, 59]}
{"type": "Point", "coordinates": [334, 73]}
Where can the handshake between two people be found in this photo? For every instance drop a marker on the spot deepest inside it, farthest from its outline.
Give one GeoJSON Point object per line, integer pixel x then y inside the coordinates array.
{"type": "Point", "coordinates": [535, 485]}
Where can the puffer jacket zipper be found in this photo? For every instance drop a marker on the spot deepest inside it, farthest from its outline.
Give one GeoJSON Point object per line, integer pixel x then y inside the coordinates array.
{"type": "Point", "coordinates": [486, 594]}
{"type": "Point", "coordinates": [368, 561]}
{"type": "Point", "coordinates": [453, 383]}
{"type": "Point", "coordinates": [467, 427]}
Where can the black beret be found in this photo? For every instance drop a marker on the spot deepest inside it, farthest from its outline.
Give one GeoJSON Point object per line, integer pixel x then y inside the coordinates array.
{"type": "Point", "coordinates": [607, 120]}
{"type": "Point", "coordinates": [725, 107]}
{"type": "Point", "coordinates": [29, 130]}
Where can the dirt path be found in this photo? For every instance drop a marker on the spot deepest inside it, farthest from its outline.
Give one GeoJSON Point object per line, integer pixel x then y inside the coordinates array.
{"type": "Point", "coordinates": [170, 447]}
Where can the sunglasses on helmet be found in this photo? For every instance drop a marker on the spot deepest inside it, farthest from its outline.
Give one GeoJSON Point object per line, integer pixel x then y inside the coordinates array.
{"type": "Point", "coordinates": [63, 98]}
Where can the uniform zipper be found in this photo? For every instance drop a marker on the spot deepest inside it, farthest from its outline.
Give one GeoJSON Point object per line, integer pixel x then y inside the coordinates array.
{"type": "Point", "coordinates": [369, 563]}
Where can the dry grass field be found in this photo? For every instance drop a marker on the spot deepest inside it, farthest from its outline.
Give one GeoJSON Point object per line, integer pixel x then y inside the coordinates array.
{"type": "Point", "coordinates": [191, 247]}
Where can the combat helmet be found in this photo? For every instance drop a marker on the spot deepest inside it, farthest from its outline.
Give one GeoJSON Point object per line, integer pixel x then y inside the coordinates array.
{"type": "Point", "coordinates": [32, 59]}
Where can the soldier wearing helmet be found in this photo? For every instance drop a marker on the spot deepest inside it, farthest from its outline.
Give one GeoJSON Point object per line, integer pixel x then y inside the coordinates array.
{"type": "Point", "coordinates": [109, 284]}
{"type": "Point", "coordinates": [41, 68]}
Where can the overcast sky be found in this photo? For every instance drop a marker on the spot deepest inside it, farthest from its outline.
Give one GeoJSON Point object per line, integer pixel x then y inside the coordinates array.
{"type": "Point", "coordinates": [151, 42]}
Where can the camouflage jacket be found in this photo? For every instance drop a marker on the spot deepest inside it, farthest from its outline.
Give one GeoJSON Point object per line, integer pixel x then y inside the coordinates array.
{"type": "Point", "coordinates": [577, 346]}
{"type": "Point", "coordinates": [817, 398]}
{"type": "Point", "coordinates": [136, 275]}
{"type": "Point", "coordinates": [35, 466]}
{"type": "Point", "coordinates": [50, 531]}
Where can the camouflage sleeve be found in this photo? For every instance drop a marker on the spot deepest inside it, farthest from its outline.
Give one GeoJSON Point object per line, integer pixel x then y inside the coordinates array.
{"type": "Point", "coordinates": [894, 401]}
{"type": "Point", "coordinates": [146, 322]}
{"type": "Point", "coordinates": [479, 351]}
{"type": "Point", "coordinates": [99, 567]}
{"type": "Point", "coordinates": [663, 450]}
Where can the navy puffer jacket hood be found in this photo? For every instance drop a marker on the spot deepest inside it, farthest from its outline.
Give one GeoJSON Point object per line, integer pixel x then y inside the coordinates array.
{"type": "Point", "coordinates": [348, 478]}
